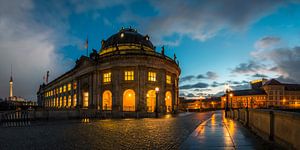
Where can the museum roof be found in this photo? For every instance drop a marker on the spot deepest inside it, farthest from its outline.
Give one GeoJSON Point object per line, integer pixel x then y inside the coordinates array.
{"type": "Point", "coordinates": [127, 36]}
{"type": "Point", "coordinates": [249, 92]}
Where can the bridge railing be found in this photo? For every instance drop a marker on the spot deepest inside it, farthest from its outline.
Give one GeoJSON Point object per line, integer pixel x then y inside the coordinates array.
{"type": "Point", "coordinates": [15, 118]}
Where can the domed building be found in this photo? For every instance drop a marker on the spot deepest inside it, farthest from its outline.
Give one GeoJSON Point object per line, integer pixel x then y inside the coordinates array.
{"type": "Point", "coordinates": [126, 75]}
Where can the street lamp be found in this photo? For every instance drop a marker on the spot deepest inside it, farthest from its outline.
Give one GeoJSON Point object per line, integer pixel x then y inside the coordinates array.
{"type": "Point", "coordinates": [230, 100]}
{"type": "Point", "coordinates": [227, 90]}
{"type": "Point", "coordinates": [156, 102]}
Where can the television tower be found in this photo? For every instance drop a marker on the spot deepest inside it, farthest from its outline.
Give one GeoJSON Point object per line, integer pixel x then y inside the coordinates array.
{"type": "Point", "coordinates": [11, 84]}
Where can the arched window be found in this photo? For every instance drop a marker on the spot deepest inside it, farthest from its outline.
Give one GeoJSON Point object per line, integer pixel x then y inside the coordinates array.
{"type": "Point", "coordinates": [168, 101]}
{"type": "Point", "coordinates": [129, 100]}
{"type": "Point", "coordinates": [151, 99]}
{"type": "Point", "coordinates": [107, 100]}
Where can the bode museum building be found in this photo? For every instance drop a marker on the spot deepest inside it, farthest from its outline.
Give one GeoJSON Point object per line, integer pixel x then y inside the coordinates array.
{"type": "Point", "coordinates": [126, 75]}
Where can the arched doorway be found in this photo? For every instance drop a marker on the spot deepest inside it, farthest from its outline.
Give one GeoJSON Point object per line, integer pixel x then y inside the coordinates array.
{"type": "Point", "coordinates": [129, 100]}
{"type": "Point", "coordinates": [168, 101]}
{"type": "Point", "coordinates": [151, 98]}
{"type": "Point", "coordinates": [107, 100]}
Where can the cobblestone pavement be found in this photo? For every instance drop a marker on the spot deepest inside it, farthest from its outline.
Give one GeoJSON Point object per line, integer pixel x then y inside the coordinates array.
{"type": "Point", "coordinates": [221, 133]}
{"type": "Point", "coordinates": [150, 133]}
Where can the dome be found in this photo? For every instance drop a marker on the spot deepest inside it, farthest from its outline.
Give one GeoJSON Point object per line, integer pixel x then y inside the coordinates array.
{"type": "Point", "coordinates": [126, 39]}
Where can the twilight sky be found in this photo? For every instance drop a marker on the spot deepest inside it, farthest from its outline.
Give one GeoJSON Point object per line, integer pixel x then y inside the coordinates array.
{"type": "Point", "coordinates": [216, 42]}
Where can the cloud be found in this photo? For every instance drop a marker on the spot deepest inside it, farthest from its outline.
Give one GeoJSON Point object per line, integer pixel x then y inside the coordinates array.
{"type": "Point", "coordinates": [286, 60]}
{"type": "Point", "coordinates": [209, 75]}
{"type": "Point", "coordinates": [201, 20]}
{"type": "Point", "coordinates": [267, 42]}
{"type": "Point", "coordinates": [241, 87]}
{"type": "Point", "coordinates": [187, 78]}
{"type": "Point", "coordinates": [190, 95]}
{"type": "Point", "coordinates": [197, 85]}
{"type": "Point", "coordinates": [26, 45]}
{"type": "Point", "coordinates": [257, 75]}
{"type": "Point", "coordinates": [250, 67]}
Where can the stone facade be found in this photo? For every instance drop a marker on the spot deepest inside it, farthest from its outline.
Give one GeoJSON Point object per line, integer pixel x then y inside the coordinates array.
{"type": "Point", "coordinates": [101, 72]}
{"type": "Point", "coordinates": [264, 94]}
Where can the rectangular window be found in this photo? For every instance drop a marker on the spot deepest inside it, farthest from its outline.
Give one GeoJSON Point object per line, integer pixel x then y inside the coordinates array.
{"type": "Point", "coordinates": [129, 75]}
{"type": "Point", "coordinates": [65, 88]}
{"type": "Point", "coordinates": [74, 100]}
{"type": "Point", "coordinates": [168, 79]}
{"type": "Point", "coordinates": [151, 76]}
{"type": "Point", "coordinates": [85, 99]}
{"type": "Point", "coordinates": [74, 85]}
{"type": "Point", "coordinates": [69, 87]}
{"type": "Point", "coordinates": [69, 101]}
{"type": "Point", "coordinates": [60, 89]}
{"type": "Point", "coordinates": [107, 77]}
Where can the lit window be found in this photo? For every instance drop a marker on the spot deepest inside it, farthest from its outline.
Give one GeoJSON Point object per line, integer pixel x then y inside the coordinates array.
{"type": "Point", "coordinates": [122, 35]}
{"type": "Point", "coordinates": [129, 75]}
{"type": "Point", "coordinates": [69, 101]}
{"type": "Point", "coordinates": [60, 89]}
{"type": "Point", "coordinates": [168, 79]}
{"type": "Point", "coordinates": [74, 85]}
{"type": "Point", "coordinates": [85, 99]}
{"type": "Point", "coordinates": [65, 101]}
{"type": "Point", "coordinates": [74, 100]}
{"type": "Point", "coordinates": [60, 102]}
{"type": "Point", "coordinates": [107, 77]}
{"type": "Point", "coordinates": [151, 76]}
{"type": "Point", "coordinates": [69, 87]}
{"type": "Point", "coordinates": [65, 88]}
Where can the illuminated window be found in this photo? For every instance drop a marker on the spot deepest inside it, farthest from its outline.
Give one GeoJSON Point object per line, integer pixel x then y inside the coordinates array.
{"type": "Point", "coordinates": [56, 102]}
{"type": "Point", "coordinates": [168, 100]}
{"type": "Point", "coordinates": [107, 77]}
{"type": "Point", "coordinates": [65, 88]}
{"type": "Point", "coordinates": [69, 101]}
{"type": "Point", "coordinates": [60, 89]}
{"type": "Point", "coordinates": [129, 75]}
{"type": "Point", "coordinates": [85, 99]}
{"type": "Point", "coordinates": [69, 87]}
{"type": "Point", "coordinates": [74, 85]}
{"type": "Point", "coordinates": [74, 100]}
{"type": "Point", "coordinates": [60, 101]}
{"type": "Point", "coordinates": [129, 100]}
{"type": "Point", "coordinates": [65, 101]}
{"type": "Point", "coordinates": [107, 100]}
{"type": "Point", "coordinates": [151, 76]}
{"type": "Point", "coordinates": [151, 98]}
{"type": "Point", "coordinates": [168, 79]}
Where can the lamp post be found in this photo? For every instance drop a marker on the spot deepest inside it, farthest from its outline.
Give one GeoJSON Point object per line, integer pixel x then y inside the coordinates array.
{"type": "Point", "coordinates": [156, 102]}
{"type": "Point", "coordinates": [227, 90]}
{"type": "Point", "coordinates": [231, 100]}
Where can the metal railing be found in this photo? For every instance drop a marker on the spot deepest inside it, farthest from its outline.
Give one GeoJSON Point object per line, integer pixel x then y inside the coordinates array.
{"type": "Point", "coordinates": [15, 119]}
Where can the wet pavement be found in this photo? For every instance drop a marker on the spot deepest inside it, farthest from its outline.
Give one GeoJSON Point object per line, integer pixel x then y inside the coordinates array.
{"type": "Point", "coordinates": [149, 133]}
{"type": "Point", "coordinates": [221, 133]}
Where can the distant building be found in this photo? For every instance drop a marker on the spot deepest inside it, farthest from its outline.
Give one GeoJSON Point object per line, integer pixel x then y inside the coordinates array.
{"type": "Point", "coordinates": [121, 77]}
{"type": "Point", "coordinates": [265, 93]}
{"type": "Point", "coordinates": [200, 104]}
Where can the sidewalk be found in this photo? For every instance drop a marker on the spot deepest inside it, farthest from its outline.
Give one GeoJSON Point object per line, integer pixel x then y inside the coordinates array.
{"type": "Point", "coordinates": [221, 133]}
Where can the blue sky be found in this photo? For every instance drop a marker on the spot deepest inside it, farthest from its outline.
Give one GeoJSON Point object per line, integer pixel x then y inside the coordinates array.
{"type": "Point", "coordinates": [216, 42]}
